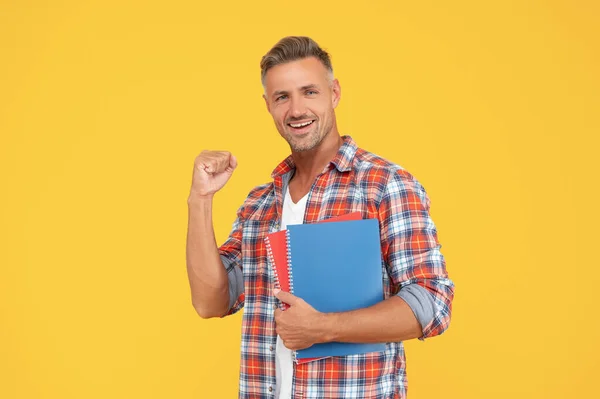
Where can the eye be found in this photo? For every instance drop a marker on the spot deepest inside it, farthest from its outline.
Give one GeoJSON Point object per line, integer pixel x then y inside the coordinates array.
{"type": "Point", "coordinates": [281, 97]}
{"type": "Point", "coordinates": [311, 92]}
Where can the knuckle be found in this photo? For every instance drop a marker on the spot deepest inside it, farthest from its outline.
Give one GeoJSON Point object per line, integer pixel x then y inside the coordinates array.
{"type": "Point", "coordinates": [213, 159]}
{"type": "Point", "coordinates": [202, 157]}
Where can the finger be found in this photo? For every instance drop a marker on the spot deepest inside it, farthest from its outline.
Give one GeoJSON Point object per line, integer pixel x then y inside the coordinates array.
{"type": "Point", "coordinates": [214, 165]}
{"type": "Point", "coordinates": [209, 166]}
{"type": "Point", "coordinates": [207, 163]}
{"type": "Point", "coordinates": [294, 345]}
{"type": "Point", "coordinates": [232, 162]}
{"type": "Point", "coordinates": [297, 345]}
{"type": "Point", "coordinates": [201, 162]}
{"type": "Point", "coordinates": [223, 160]}
{"type": "Point", "coordinates": [285, 297]}
{"type": "Point", "coordinates": [222, 157]}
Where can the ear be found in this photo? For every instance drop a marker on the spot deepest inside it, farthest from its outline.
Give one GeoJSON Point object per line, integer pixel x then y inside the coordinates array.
{"type": "Point", "coordinates": [336, 93]}
{"type": "Point", "coordinates": [267, 103]}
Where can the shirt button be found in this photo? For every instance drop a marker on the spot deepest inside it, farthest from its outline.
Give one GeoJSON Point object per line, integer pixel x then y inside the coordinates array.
{"type": "Point", "coordinates": [271, 348]}
{"type": "Point", "coordinates": [270, 389]}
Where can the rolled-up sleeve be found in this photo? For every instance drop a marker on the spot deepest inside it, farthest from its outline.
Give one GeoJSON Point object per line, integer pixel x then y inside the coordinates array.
{"type": "Point", "coordinates": [412, 253]}
{"type": "Point", "coordinates": [231, 256]}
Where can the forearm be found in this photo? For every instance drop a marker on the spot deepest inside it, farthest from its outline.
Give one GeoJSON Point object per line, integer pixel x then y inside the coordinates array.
{"type": "Point", "coordinates": [206, 273]}
{"type": "Point", "coordinates": [391, 320]}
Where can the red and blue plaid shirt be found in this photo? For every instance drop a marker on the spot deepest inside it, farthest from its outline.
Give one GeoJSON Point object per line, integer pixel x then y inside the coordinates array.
{"type": "Point", "coordinates": [355, 180]}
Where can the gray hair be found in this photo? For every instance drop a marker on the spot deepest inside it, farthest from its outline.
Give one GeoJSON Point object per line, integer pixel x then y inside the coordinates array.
{"type": "Point", "coordinates": [292, 48]}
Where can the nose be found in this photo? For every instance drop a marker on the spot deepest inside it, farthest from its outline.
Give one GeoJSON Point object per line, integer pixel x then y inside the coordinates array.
{"type": "Point", "coordinates": [297, 107]}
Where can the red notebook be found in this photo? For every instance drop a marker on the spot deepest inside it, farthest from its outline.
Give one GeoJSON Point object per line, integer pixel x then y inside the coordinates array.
{"type": "Point", "coordinates": [277, 252]}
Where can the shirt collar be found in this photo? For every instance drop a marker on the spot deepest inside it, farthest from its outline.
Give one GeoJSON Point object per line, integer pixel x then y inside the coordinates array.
{"type": "Point", "coordinates": [342, 159]}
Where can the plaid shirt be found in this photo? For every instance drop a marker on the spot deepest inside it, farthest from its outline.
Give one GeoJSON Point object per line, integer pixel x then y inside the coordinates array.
{"type": "Point", "coordinates": [355, 180]}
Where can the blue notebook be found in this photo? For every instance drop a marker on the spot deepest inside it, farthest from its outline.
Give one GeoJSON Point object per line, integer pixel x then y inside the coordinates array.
{"type": "Point", "coordinates": [336, 267]}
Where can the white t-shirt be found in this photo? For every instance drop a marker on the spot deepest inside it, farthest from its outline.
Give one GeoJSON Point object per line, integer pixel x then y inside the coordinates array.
{"type": "Point", "coordinates": [284, 363]}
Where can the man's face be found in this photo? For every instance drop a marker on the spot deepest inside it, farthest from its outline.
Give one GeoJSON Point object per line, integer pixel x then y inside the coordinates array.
{"type": "Point", "coordinates": [301, 100]}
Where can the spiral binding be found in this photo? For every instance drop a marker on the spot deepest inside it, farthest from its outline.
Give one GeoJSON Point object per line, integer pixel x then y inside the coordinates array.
{"type": "Point", "coordinates": [289, 267]}
{"type": "Point", "coordinates": [289, 260]}
{"type": "Point", "coordinates": [271, 260]}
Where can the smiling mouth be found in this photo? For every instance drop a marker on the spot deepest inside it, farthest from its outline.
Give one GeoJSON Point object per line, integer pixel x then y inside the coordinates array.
{"type": "Point", "coordinates": [301, 125]}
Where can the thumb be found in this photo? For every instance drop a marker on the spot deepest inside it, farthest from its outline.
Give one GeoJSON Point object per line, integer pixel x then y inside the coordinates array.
{"type": "Point", "coordinates": [232, 163]}
{"type": "Point", "coordinates": [285, 297]}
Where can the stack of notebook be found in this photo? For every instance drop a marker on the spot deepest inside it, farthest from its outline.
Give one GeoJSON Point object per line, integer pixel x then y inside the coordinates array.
{"type": "Point", "coordinates": [334, 267]}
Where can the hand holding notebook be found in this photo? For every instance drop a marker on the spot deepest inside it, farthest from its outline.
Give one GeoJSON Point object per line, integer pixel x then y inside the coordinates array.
{"type": "Point", "coordinates": [277, 252]}
{"type": "Point", "coordinates": [334, 267]}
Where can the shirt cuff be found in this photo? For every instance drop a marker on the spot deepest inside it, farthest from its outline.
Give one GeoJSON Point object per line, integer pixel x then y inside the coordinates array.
{"type": "Point", "coordinates": [235, 279]}
{"type": "Point", "coordinates": [420, 301]}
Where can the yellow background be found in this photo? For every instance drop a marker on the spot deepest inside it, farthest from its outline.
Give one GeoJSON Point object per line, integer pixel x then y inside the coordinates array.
{"type": "Point", "coordinates": [493, 106]}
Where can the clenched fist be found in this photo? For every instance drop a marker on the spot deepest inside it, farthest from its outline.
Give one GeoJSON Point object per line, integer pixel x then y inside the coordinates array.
{"type": "Point", "coordinates": [212, 169]}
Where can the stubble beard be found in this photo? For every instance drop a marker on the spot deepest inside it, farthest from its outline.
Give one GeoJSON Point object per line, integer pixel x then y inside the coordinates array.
{"type": "Point", "coordinates": [302, 144]}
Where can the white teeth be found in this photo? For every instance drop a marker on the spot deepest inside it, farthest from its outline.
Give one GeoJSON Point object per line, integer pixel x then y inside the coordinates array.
{"type": "Point", "coordinates": [301, 124]}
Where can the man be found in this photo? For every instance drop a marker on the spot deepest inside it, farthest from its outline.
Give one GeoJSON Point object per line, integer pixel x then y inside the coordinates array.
{"type": "Point", "coordinates": [326, 175]}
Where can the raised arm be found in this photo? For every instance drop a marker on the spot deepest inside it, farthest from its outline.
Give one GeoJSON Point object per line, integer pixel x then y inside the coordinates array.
{"type": "Point", "coordinates": [207, 273]}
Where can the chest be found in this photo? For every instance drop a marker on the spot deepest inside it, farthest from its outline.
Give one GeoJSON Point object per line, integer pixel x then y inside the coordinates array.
{"type": "Point", "coordinates": [297, 191]}
{"type": "Point", "coordinates": [328, 197]}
